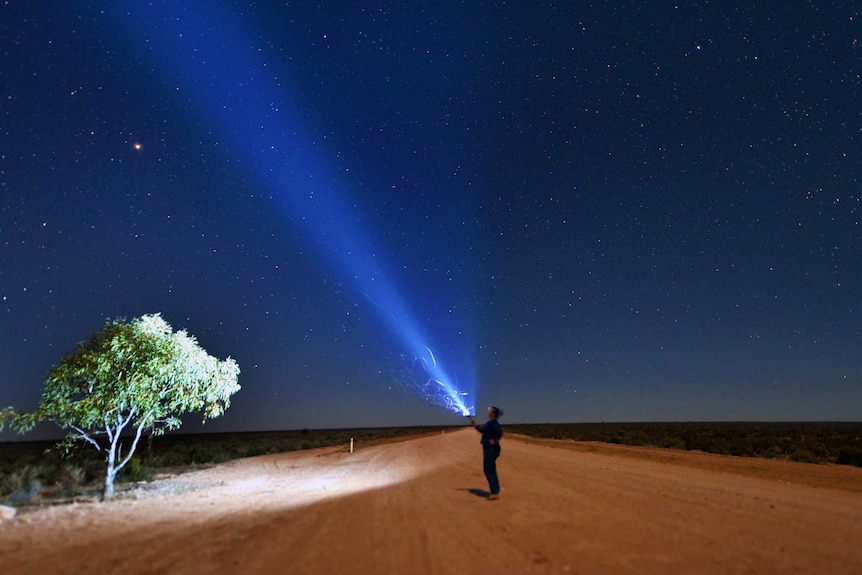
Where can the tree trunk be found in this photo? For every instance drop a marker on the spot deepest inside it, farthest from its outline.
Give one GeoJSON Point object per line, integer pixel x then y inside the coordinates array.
{"type": "Point", "coordinates": [108, 494]}
{"type": "Point", "coordinates": [115, 449]}
{"type": "Point", "coordinates": [111, 471]}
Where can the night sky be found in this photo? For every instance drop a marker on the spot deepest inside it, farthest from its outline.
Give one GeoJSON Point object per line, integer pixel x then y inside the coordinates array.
{"type": "Point", "coordinates": [584, 211]}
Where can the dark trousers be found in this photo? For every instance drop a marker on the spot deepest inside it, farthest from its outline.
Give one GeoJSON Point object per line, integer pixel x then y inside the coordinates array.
{"type": "Point", "coordinates": [490, 453]}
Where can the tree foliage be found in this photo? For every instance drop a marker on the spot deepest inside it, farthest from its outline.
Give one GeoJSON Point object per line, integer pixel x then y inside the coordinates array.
{"type": "Point", "coordinates": [132, 376]}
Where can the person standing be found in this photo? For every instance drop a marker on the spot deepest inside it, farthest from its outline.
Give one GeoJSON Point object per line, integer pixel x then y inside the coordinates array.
{"type": "Point", "coordinates": [491, 432]}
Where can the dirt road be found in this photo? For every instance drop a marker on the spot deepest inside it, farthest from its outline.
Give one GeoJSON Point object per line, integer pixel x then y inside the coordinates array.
{"type": "Point", "coordinates": [418, 507]}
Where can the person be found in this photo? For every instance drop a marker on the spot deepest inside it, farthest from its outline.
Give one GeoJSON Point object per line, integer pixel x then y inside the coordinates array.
{"type": "Point", "coordinates": [491, 432]}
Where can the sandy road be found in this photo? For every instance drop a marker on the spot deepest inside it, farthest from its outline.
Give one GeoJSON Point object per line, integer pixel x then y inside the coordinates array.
{"type": "Point", "coordinates": [417, 507]}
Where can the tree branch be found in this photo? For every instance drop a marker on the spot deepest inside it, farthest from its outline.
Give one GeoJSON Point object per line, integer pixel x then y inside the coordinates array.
{"type": "Point", "coordinates": [86, 437]}
{"type": "Point", "coordinates": [121, 424]}
{"type": "Point", "coordinates": [135, 442]}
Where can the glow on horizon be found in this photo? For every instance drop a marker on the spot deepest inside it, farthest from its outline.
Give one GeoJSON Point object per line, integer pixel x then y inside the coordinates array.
{"type": "Point", "coordinates": [213, 60]}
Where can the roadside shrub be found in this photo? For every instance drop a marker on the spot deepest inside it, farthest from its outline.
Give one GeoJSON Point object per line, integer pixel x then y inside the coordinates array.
{"type": "Point", "coordinates": [672, 442]}
{"type": "Point", "coordinates": [208, 454]}
{"type": "Point", "coordinates": [11, 482]}
{"type": "Point", "coordinates": [803, 455]}
{"type": "Point", "coordinates": [69, 479]}
{"type": "Point", "coordinates": [135, 470]}
{"type": "Point", "coordinates": [22, 485]}
{"type": "Point", "coordinates": [849, 456]}
{"type": "Point", "coordinates": [171, 458]}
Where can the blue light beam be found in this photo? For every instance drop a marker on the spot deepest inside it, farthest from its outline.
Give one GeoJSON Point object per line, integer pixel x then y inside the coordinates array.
{"type": "Point", "coordinates": [221, 66]}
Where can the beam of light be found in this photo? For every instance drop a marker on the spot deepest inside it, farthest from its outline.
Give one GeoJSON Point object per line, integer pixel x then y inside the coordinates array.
{"type": "Point", "coordinates": [428, 379]}
{"type": "Point", "coordinates": [303, 478]}
{"type": "Point", "coordinates": [221, 66]}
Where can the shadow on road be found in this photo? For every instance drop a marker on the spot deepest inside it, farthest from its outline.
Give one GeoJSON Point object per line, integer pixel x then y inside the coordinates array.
{"type": "Point", "coordinates": [477, 492]}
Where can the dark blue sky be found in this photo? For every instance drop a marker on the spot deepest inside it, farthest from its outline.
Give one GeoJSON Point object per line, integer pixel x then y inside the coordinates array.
{"type": "Point", "coordinates": [587, 211]}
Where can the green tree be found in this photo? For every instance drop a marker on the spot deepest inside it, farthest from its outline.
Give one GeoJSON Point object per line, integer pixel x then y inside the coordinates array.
{"type": "Point", "coordinates": [137, 376]}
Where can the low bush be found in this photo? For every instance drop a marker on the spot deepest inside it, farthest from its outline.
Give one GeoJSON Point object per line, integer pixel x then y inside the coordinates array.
{"type": "Point", "coordinates": [70, 480]}
{"type": "Point", "coordinates": [827, 442]}
{"type": "Point", "coordinates": [22, 483]}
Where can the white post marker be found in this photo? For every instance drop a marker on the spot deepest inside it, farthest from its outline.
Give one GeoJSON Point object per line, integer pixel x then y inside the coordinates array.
{"type": "Point", "coordinates": [351, 445]}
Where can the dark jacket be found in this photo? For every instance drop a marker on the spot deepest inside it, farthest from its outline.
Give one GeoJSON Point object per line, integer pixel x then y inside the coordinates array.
{"type": "Point", "coordinates": [491, 432]}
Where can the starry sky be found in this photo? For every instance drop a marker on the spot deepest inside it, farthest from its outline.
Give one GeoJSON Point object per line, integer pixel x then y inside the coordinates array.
{"type": "Point", "coordinates": [584, 211]}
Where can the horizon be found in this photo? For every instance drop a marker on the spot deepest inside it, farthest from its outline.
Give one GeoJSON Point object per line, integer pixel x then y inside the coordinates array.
{"type": "Point", "coordinates": [198, 432]}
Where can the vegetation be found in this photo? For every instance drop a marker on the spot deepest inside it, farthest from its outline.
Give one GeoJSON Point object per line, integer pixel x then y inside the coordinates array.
{"type": "Point", "coordinates": [827, 442]}
{"type": "Point", "coordinates": [31, 467]}
{"type": "Point", "coordinates": [137, 376]}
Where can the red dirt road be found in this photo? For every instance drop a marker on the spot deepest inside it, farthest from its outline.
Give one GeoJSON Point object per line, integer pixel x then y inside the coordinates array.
{"type": "Point", "coordinates": [415, 507]}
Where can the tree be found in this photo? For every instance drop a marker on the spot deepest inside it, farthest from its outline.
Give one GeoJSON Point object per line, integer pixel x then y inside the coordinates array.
{"type": "Point", "coordinates": [133, 376]}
